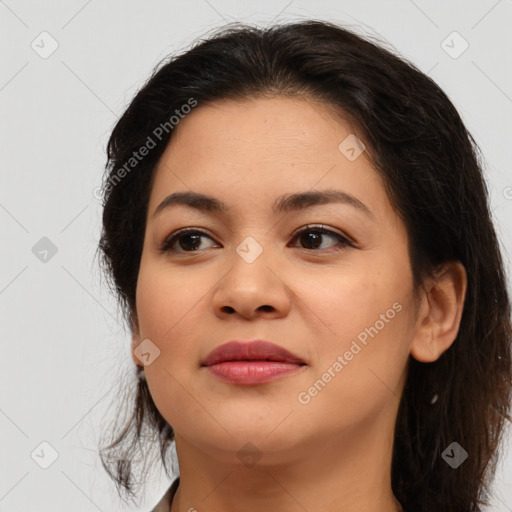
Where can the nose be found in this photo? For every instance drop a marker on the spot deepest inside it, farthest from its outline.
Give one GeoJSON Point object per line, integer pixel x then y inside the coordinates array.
{"type": "Point", "coordinates": [252, 289]}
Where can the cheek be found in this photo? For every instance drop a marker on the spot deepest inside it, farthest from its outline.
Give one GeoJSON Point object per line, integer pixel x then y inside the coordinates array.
{"type": "Point", "coordinates": [348, 301]}
{"type": "Point", "coordinates": [368, 329]}
{"type": "Point", "coordinates": [164, 300]}
{"type": "Point", "coordinates": [170, 311]}
{"type": "Point", "coordinates": [167, 308]}
{"type": "Point", "coordinates": [370, 318]}
{"type": "Point", "coordinates": [362, 372]}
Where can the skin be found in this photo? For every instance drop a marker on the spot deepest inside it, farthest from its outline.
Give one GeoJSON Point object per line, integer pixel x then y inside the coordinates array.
{"type": "Point", "coordinates": [333, 453]}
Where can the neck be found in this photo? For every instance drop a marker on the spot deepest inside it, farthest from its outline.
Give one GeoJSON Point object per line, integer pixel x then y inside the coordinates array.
{"type": "Point", "coordinates": [349, 473]}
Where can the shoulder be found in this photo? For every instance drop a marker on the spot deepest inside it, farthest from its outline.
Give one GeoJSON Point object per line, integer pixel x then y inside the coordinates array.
{"type": "Point", "coordinates": [165, 503]}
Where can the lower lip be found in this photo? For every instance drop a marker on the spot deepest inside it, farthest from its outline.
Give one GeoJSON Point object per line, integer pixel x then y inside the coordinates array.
{"type": "Point", "coordinates": [252, 372]}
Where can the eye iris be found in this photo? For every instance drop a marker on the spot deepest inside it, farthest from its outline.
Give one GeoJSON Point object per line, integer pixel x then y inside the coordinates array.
{"type": "Point", "coordinates": [313, 237]}
{"type": "Point", "coordinates": [196, 238]}
{"type": "Point", "coordinates": [187, 242]}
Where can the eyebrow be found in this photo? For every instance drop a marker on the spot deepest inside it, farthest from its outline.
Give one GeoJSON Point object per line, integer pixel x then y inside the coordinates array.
{"type": "Point", "coordinates": [283, 204]}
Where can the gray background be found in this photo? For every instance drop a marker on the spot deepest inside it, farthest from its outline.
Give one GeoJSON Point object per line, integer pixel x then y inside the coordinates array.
{"type": "Point", "coordinates": [63, 344]}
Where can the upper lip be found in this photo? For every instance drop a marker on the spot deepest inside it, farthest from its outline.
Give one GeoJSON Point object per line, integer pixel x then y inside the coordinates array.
{"type": "Point", "coordinates": [256, 350]}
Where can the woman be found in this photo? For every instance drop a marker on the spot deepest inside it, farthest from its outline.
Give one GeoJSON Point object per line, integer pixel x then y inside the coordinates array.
{"type": "Point", "coordinates": [297, 227]}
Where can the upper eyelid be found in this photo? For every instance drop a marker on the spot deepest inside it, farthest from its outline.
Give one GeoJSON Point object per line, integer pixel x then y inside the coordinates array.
{"type": "Point", "coordinates": [296, 232]}
{"type": "Point", "coordinates": [308, 227]}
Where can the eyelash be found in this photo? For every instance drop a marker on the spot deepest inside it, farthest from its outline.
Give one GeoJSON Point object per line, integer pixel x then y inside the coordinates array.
{"type": "Point", "coordinates": [318, 229]}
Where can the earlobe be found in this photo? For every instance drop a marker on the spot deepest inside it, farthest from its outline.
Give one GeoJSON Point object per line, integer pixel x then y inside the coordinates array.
{"type": "Point", "coordinates": [440, 312]}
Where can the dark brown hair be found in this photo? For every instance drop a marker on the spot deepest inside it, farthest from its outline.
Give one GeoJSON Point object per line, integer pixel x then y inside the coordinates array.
{"type": "Point", "coordinates": [432, 170]}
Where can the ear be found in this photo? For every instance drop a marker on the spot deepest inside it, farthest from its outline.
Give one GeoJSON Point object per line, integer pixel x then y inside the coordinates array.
{"type": "Point", "coordinates": [136, 337]}
{"type": "Point", "coordinates": [440, 311]}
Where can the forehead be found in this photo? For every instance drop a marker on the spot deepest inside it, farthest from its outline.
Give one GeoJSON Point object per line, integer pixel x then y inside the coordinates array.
{"type": "Point", "coordinates": [261, 125]}
{"type": "Point", "coordinates": [255, 150]}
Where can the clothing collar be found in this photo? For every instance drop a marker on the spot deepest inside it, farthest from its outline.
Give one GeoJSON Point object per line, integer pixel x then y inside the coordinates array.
{"type": "Point", "coordinates": [164, 505]}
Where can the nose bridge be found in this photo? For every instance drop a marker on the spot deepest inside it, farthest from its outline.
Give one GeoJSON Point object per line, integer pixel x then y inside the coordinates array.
{"type": "Point", "coordinates": [250, 265]}
{"type": "Point", "coordinates": [251, 284]}
{"type": "Point", "coordinates": [249, 249]}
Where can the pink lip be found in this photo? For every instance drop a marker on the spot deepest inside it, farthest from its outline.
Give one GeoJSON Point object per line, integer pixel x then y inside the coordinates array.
{"type": "Point", "coordinates": [253, 362]}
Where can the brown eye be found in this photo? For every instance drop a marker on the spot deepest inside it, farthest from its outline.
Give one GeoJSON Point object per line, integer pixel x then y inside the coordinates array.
{"type": "Point", "coordinates": [312, 237]}
{"type": "Point", "coordinates": [187, 239]}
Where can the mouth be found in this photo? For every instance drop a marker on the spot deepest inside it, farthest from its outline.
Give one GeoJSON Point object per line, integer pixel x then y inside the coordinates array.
{"type": "Point", "coordinates": [254, 362]}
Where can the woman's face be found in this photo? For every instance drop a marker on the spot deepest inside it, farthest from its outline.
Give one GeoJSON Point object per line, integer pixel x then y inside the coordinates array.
{"type": "Point", "coordinates": [341, 300]}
